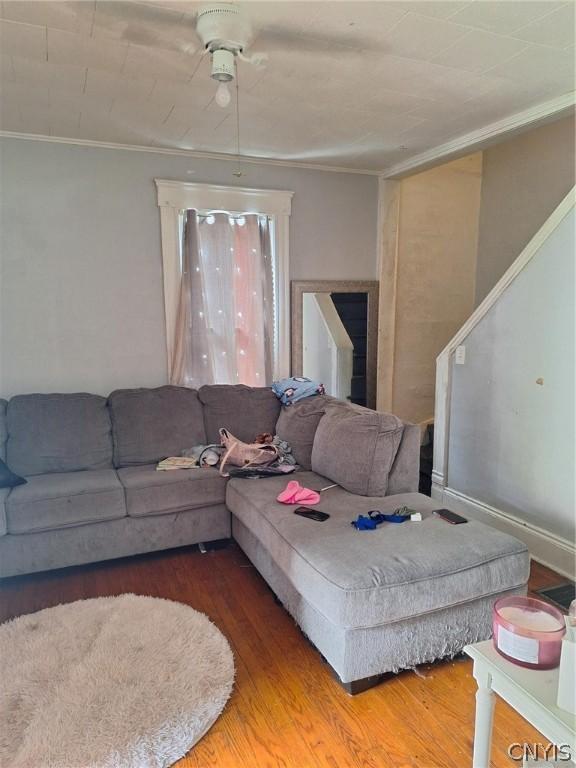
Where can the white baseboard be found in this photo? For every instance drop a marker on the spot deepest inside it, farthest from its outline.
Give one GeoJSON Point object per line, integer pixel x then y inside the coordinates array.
{"type": "Point", "coordinates": [553, 551]}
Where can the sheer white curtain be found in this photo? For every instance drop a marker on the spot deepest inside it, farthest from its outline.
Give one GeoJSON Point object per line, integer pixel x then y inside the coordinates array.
{"type": "Point", "coordinates": [225, 322]}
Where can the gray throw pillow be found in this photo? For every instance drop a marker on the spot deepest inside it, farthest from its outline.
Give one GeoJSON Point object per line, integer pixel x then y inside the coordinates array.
{"type": "Point", "coordinates": [7, 478]}
{"type": "Point", "coordinates": [355, 447]}
{"type": "Point", "coordinates": [297, 424]}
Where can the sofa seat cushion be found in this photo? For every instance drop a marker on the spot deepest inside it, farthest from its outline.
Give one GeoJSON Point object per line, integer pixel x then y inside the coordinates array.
{"type": "Point", "coordinates": [244, 411]}
{"type": "Point", "coordinates": [61, 500]}
{"type": "Point", "coordinates": [356, 447]}
{"type": "Point", "coordinates": [153, 492]}
{"type": "Point", "coordinates": [151, 424]}
{"type": "Point", "coordinates": [58, 433]}
{"type": "Point", "coordinates": [371, 578]}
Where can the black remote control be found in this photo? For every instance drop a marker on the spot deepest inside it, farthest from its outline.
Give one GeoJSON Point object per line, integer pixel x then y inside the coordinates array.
{"type": "Point", "coordinates": [312, 514]}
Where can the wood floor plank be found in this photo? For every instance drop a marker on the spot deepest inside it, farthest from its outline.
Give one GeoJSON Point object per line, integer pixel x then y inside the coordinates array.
{"type": "Point", "coordinates": [287, 711]}
{"type": "Point", "coordinates": [541, 577]}
{"type": "Point", "coordinates": [508, 725]}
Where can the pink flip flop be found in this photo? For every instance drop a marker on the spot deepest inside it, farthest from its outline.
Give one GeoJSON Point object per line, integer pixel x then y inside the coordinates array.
{"type": "Point", "coordinates": [294, 493]}
{"type": "Point", "coordinates": [306, 496]}
{"type": "Point", "coordinates": [289, 493]}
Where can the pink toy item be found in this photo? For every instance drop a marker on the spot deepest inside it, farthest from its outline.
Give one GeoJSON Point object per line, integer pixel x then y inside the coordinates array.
{"type": "Point", "coordinates": [294, 493]}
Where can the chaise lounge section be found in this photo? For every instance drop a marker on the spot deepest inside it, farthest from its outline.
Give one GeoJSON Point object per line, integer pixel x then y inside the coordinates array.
{"type": "Point", "coordinates": [377, 601]}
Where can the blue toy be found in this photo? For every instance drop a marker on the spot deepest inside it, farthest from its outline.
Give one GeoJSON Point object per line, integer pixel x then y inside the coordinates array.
{"type": "Point", "coordinates": [375, 518]}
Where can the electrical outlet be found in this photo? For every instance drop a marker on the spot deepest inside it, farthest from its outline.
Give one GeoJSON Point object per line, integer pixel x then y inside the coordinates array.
{"type": "Point", "coordinates": [460, 356]}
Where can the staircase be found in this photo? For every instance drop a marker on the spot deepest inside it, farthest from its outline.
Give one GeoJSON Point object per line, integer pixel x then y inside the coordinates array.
{"type": "Point", "coordinates": [352, 309]}
{"type": "Point", "coordinates": [504, 442]}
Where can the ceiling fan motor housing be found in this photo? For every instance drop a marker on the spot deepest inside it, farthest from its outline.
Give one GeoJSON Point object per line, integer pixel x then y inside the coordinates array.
{"type": "Point", "coordinates": [223, 26]}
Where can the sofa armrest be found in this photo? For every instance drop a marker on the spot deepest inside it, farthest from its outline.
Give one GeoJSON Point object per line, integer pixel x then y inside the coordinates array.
{"type": "Point", "coordinates": [404, 476]}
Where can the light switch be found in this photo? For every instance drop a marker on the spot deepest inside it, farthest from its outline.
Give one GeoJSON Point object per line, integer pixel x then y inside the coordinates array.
{"type": "Point", "coordinates": [460, 356]}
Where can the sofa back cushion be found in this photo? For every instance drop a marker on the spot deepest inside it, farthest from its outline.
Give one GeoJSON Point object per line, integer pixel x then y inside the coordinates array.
{"type": "Point", "coordinates": [58, 433]}
{"type": "Point", "coordinates": [244, 411]}
{"type": "Point", "coordinates": [151, 424]}
{"type": "Point", "coordinates": [297, 424]}
{"type": "Point", "coordinates": [356, 447]}
{"type": "Point", "coordinates": [405, 473]}
{"type": "Point", "coordinates": [3, 429]}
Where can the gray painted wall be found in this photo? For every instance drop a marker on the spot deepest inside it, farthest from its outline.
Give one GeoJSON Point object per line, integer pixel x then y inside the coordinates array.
{"type": "Point", "coordinates": [81, 296]}
{"type": "Point", "coordinates": [523, 181]}
{"type": "Point", "coordinates": [512, 403]}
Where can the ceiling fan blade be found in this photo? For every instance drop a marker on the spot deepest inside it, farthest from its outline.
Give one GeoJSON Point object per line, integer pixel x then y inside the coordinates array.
{"type": "Point", "coordinates": [285, 39]}
{"type": "Point", "coordinates": [148, 25]}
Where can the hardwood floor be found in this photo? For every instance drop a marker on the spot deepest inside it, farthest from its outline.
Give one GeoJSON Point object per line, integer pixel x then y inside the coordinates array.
{"type": "Point", "coordinates": [286, 710]}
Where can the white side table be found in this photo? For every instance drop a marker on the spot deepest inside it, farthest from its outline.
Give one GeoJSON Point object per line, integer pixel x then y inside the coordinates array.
{"type": "Point", "coordinates": [531, 692]}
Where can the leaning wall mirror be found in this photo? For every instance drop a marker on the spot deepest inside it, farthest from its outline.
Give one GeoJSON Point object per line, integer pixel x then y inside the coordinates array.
{"type": "Point", "coordinates": [335, 336]}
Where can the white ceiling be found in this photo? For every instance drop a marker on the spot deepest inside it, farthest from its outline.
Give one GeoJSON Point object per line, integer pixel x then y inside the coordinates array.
{"type": "Point", "coordinates": [354, 84]}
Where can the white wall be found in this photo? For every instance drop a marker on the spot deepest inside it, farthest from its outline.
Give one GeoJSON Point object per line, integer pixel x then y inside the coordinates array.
{"type": "Point", "coordinates": [81, 304]}
{"type": "Point", "coordinates": [512, 439]}
{"type": "Point", "coordinates": [523, 180]}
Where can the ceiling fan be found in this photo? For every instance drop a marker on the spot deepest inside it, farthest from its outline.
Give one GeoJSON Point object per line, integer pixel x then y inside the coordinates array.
{"type": "Point", "coordinates": [225, 31]}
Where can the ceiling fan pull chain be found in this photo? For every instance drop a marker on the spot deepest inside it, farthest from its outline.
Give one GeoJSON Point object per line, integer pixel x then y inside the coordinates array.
{"type": "Point", "coordinates": [238, 173]}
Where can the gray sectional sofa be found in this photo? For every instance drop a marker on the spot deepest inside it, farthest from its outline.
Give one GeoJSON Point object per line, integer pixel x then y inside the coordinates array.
{"type": "Point", "coordinates": [93, 492]}
{"type": "Point", "coordinates": [372, 601]}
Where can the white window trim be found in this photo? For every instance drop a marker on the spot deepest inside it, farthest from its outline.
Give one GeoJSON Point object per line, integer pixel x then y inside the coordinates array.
{"type": "Point", "coordinates": [176, 196]}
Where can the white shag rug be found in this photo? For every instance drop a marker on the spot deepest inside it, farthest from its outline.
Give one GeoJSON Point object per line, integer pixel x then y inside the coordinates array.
{"type": "Point", "coordinates": [115, 682]}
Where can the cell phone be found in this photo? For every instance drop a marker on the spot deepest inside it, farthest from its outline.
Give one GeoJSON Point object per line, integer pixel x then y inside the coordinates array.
{"type": "Point", "coordinates": [312, 514]}
{"type": "Point", "coordinates": [450, 517]}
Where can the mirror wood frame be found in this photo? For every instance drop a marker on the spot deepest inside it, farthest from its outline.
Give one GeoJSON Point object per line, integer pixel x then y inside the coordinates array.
{"type": "Point", "coordinates": [371, 288]}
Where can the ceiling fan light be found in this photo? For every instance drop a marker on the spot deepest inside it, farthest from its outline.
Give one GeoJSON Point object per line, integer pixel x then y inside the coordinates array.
{"type": "Point", "coordinates": [222, 95]}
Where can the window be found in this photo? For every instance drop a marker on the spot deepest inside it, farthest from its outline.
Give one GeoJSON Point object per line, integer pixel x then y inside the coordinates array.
{"type": "Point", "coordinates": [226, 286]}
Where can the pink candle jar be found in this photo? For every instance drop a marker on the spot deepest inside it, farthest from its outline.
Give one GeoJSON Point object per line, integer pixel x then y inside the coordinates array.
{"type": "Point", "coordinates": [528, 632]}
